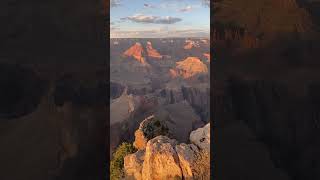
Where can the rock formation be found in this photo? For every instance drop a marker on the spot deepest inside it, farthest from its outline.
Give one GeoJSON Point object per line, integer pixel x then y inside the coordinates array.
{"type": "Point", "coordinates": [165, 158]}
{"type": "Point", "coordinates": [201, 137]}
{"type": "Point", "coordinates": [148, 129]}
{"type": "Point", "coordinates": [189, 67]}
{"type": "Point", "coordinates": [123, 107]}
{"type": "Point", "coordinates": [161, 161]}
{"type": "Point", "coordinates": [191, 44]}
{"type": "Point", "coordinates": [152, 52]}
{"type": "Point", "coordinates": [205, 41]}
{"type": "Point", "coordinates": [133, 164]}
{"type": "Point", "coordinates": [173, 73]}
{"type": "Point", "coordinates": [136, 51]}
{"type": "Point", "coordinates": [196, 95]}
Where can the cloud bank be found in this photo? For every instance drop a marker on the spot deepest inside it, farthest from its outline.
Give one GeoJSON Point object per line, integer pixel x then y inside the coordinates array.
{"type": "Point", "coordinates": [186, 9]}
{"type": "Point", "coordinates": [149, 6]}
{"type": "Point", "coordinates": [140, 18]}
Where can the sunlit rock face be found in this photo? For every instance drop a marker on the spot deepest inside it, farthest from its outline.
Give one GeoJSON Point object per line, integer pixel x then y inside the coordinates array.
{"type": "Point", "coordinates": [191, 44]}
{"type": "Point", "coordinates": [165, 158]}
{"type": "Point", "coordinates": [188, 68]}
{"type": "Point", "coordinates": [148, 129]}
{"type": "Point", "coordinates": [153, 52]}
{"type": "Point", "coordinates": [136, 51]}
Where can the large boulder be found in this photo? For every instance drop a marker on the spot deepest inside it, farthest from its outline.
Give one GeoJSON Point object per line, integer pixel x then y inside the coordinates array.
{"type": "Point", "coordinates": [194, 161]}
{"type": "Point", "coordinates": [161, 161]}
{"type": "Point", "coordinates": [164, 158]}
{"type": "Point", "coordinates": [133, 165]}
{"type": "Point", "coordinates": [201, 137]}
{"type": "Point", "coordinates": [187, 157]}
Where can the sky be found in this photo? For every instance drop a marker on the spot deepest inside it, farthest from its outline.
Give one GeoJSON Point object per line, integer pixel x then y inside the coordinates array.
{"type": "Point", "coordinates": [159, 18]}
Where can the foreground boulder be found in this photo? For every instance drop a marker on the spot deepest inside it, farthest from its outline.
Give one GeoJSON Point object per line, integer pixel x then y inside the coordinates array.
{"type": "Point", "coordinates": [164, 158]}
{"type": "Point", "coordinates": [187, 157]}
{"type": "Point", "coordinates": [201, 137]}
{"type": "Point", "coordinates": [161, 160]}
{"type": "Point", "coordinates": [133, 165]}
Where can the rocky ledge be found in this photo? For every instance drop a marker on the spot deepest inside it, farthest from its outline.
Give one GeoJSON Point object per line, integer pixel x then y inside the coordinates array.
{"type": "Point", "coordinates": [164, 158]}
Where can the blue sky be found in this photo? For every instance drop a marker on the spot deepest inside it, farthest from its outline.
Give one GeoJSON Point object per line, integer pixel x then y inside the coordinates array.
{"type": "Point", "coordinates": [159, 18]}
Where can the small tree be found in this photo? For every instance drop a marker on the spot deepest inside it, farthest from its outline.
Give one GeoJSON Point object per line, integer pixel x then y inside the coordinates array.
{"type": "Point", "coordinates": [117, 162]}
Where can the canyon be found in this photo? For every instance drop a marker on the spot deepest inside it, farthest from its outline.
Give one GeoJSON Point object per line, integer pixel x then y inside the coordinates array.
{"type": "Point", "coordinates": [169, 89]}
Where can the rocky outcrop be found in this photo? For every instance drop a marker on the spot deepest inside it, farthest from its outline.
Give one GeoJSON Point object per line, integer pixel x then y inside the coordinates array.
{"type": "Point", "coordinates": [189, 67]}
{"type": "Point", "coordinates": [152, 52]}
{"type": "Point", "coordinates": [133, 164]}
{"type": "Point", "coordinates": [136, 51]}
{"type": "Point", "coordinates": [205, 41]}
{"type": "Point", "coordinates": [161, 161]}
{"type": "Point", "coordinates": [173, 73]}
{"type": "Point", "coordinates": [201, 137]}
{"type": "Point", "coordinates": [164, 158]}
{"type": "Point", "coordinates": [187, 158]}
{"type": "Point", "coordinates": [191, 44]}
{"type": "Point", "coordinates": [148, 129]}
{"type": "Point", "coordinates": [194, 162]}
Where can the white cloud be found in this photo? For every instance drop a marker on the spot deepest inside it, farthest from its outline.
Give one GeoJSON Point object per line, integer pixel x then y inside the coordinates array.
{"type": "Point", "coordinates": [149, 5]}
{"type": "Point", "coordinates": [140, 18]}
{"type": "Point", "coordinates": [186, 9]}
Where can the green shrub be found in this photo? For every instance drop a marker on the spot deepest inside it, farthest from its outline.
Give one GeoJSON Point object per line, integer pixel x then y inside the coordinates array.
{"type": "Point", "coordinates": [155, 128]}
{"type": "Point", "coordinates": [116, 164]}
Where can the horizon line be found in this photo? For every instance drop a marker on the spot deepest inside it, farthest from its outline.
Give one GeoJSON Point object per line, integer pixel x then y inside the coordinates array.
{"type": "Point", "coordinates": [157, 37]}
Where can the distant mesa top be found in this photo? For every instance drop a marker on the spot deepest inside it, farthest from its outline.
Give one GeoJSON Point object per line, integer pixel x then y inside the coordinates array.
{"type": "Point", "coordinates": [204, 41]}
{"type": "Point", "coordinates": [137, 51]}
{"type": "Point", "coordinates": [189, 67]}
{"type": "Point", "coordinates": [191, 44]}
{"type": "Point", "coordinates": [152, 52]}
